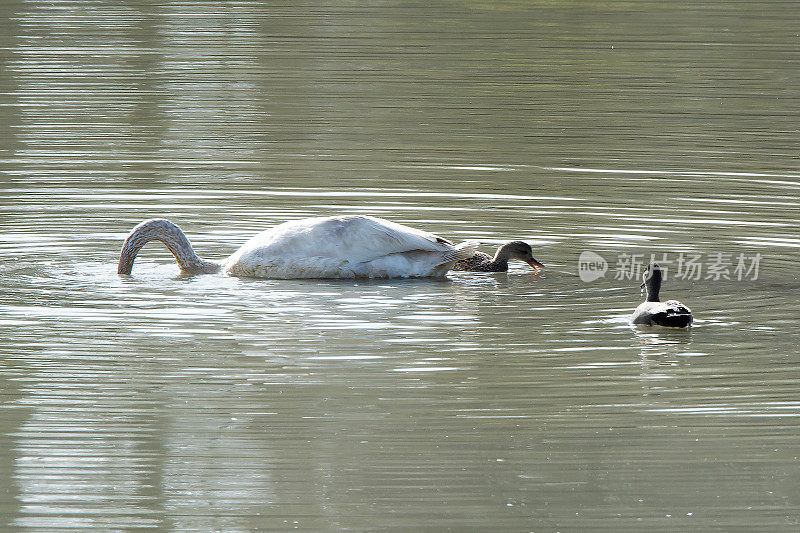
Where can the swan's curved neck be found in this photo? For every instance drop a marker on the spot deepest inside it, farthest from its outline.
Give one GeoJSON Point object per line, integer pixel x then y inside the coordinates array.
{"type": "Point", "coordinates": [171, 235]}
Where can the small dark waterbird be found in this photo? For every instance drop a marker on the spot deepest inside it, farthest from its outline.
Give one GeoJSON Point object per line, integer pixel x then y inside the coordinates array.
{"type": "Point", "coordinates": [482, 262]}
{"type": "Point", "coordinates": [652, 311]}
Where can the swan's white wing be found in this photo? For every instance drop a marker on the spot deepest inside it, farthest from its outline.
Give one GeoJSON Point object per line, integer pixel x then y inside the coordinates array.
{"type": "Point", "coordinates": [354, 239]}
{"type": "Point", "coordinates": [367, 238]}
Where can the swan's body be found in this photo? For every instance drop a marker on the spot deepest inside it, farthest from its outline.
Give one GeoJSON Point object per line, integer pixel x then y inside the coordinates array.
{"type": "Point", "coordinates": [481, 262]}
{"type": "Point", "coordinates": [353, 246]}
{"type": "Point", "coordinates": [652, 312]}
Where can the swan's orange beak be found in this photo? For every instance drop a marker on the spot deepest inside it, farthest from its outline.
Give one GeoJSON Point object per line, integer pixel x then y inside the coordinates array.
{"type": "Point", "coordinates": [534, 263]}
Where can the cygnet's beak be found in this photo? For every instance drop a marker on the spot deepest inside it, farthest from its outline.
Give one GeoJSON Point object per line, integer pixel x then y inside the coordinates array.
{"type": "Point", "coordinates": [534, 263]}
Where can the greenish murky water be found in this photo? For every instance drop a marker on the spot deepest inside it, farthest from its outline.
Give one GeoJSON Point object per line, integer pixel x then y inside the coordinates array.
{"type": "Point", "coordinates": [502, 402]}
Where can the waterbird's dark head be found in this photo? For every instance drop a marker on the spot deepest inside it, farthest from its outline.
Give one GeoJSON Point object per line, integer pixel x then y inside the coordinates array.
{"type": "Point", "coordinates": [520, 251]}
{"type": "Point", "coordinates": [652, 281]}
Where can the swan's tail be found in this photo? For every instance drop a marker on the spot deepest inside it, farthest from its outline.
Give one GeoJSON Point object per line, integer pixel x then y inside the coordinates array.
{"type": "Point", "coordinates": [461, 251]}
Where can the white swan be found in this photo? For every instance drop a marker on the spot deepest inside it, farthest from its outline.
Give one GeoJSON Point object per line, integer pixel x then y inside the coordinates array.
{"type": "Point", "coordinates": [352, 246]}
{"type": "Point", "coordinates": [653, 312]}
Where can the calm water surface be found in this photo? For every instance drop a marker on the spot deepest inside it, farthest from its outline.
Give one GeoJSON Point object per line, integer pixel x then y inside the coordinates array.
{"type": "Point", "coordinates": [514, 401]}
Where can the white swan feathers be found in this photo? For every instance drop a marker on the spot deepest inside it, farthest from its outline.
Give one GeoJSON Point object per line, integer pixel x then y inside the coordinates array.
{"type": "Point", "coordinates": [353, 246]}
